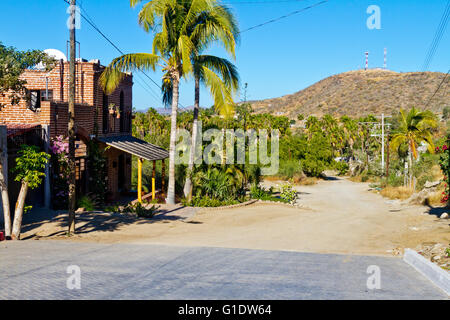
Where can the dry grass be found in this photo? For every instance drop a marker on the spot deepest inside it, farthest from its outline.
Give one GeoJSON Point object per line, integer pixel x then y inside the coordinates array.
{"type": "Point", "coordinates": [435, 198]}
{"type": "Point", "coordinates": [308, 181]}
{"type": "Point", "coordinates": [360, 93]}
{"type": "Point", "coordinates": [359, 178]}
{"type": "Point", "coordinates": [298, 180]}
{"type": "Point", "coordinates": [401, 193]}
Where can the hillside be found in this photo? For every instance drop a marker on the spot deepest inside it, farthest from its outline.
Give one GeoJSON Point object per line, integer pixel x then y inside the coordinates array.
{"type": "Point", "coordinates": [362, 92]}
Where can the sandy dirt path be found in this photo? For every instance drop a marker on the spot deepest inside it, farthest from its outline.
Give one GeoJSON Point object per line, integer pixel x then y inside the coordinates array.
{"type": "Point", "coordinates": [339, 216]}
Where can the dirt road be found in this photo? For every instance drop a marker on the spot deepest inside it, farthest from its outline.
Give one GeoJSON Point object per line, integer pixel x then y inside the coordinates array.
{"type": "Point", "coordinates": [339, 216]}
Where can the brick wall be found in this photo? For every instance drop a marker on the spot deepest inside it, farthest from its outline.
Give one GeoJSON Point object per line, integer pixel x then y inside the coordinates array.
{"type": "Point", "coordinates": [89, 102]}
{"type": "Point", "coordinates": [88, 99]}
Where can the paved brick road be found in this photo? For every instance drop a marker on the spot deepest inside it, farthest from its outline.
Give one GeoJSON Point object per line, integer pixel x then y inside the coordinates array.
{"type": "Point", "coordinates": [37, 270]}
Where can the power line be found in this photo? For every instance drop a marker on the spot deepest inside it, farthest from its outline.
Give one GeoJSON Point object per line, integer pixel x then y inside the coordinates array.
{"type": "Point", "coordinates": [440, 84]}
{"type": "Point", "coordinates": [437, 37]}
{"type": "Point", "coordinates": [86, 17]}
{"type": "Point", "coordinates": [283, 17]}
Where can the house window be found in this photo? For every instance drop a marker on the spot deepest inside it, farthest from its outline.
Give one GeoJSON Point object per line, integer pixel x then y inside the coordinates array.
{"type": "Point", "coordinates": [46, 95]}
{"type": "Point", "coordinates": [35, 100]}
{"type": "Point", "coordinates": [122, 112]}
{"type": "Point", "coordinates": [105, 113]}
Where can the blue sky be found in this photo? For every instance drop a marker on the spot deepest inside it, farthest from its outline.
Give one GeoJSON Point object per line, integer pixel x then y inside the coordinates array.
{"type": "Point", "coordinates": [276, 59]}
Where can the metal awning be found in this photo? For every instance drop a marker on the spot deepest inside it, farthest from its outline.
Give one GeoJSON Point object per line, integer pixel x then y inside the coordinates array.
{"type": "Point", "coordinates": [135, 146]}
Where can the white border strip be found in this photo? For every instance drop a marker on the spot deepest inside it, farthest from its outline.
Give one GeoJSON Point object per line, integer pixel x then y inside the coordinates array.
{"type": "Point", "coordinates": [432, 272]}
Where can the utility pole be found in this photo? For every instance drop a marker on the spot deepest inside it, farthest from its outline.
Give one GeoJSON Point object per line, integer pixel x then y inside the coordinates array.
{"type": "Point", "coordinates": [382, 141]}
{"type": "Point", "coordinates": [71, 122]}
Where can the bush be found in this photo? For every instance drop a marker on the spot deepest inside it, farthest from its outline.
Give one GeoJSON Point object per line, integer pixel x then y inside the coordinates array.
{"type": "Point", "coordinates": [312, 166]}
{"type": "Point", "coordinates": [140, 210]}
{"type": "Point", "coordinates": [288, 193]}
{"type": "Point", "coordinates": [87, 203]}
{"type": "Point", "coordinates": [256, 192]}
{"type": "Point", "coordinates": [289, 168]}
{"type": "Point", "coordinates": [198, 201]}
{"type": "Point", "coordinates": [341, 167]}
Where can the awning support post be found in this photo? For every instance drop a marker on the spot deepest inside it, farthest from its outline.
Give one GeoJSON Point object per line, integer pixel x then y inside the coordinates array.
{"type": "Point", "coordinates": [153, 179]}
{"type": "Point", "coordinates": [163, 176]}
{"type": "Point", "coordinates": [139, 180]}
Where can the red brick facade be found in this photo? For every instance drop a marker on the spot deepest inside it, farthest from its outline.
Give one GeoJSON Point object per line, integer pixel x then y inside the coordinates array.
{"type": "Point", "coordinates": [92, 116]}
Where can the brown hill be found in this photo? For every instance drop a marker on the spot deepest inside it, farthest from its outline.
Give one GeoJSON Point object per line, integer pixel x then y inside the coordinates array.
{"type": "Point", "coordinates": [361, 92]}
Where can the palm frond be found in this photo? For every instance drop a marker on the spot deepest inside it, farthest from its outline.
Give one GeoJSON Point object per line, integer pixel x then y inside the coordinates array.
{"type": "Point", "coordinates": [115, 72]}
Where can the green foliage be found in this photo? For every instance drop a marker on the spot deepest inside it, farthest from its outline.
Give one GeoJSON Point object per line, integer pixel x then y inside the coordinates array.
{"type": "Point", "coordinates": [444, 162]}
{"type": "Point", "coordinates": [300, 117]}
{"type": "Point", "coordinates": [446, 112]}
{"type": "Point", "coordinates": [215, 184]}
{"type": "Point", "coordinates": [97, 166]}
{"type": "Point", "coordinates": [199, 201]}
{"type": "Point", "coordinates": [88, 202]}
{"type": "Point", "coordinates": [30, 166]}
{"type": "Point", "coordinates": [257, 192]}
{"type": "Point", "coordinates": [288, 193]}
{"type": "Point", "coordinates": [341, 167]}
{"type": "Point", "coordinates": [12, 64]}
{"type": "Point", "coordinates": [289, 169]}
{"type": "Point", "coordinates": [140, 210]}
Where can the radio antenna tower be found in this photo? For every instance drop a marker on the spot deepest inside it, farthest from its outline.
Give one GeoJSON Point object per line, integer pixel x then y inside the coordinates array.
{"type": "Point", "coordinates": [385, 59]}
{"type": "Point", "coordinates": [367, 60]}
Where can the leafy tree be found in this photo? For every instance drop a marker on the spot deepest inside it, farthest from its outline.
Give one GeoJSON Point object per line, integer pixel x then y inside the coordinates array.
{"type": "Point", "coordinates": [446, 112]}
{"type": "Point", "coordinates": [12, 64]}
{"type": "Point", "coordinates": [29, 172]}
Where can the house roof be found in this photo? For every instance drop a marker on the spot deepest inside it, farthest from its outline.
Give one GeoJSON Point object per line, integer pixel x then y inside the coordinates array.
{"type": "Point", "coordinates": [135, 146]}
{"type": "Point", "coordinates": [13, 129]}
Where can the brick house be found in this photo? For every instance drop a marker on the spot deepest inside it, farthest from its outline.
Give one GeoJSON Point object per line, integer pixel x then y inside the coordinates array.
{"type": "Point", "coordinates": [47, 109]}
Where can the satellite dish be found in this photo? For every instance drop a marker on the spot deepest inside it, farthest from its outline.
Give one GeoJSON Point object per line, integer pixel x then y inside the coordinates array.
{"type": "Point", "coordinates": [55, 53]}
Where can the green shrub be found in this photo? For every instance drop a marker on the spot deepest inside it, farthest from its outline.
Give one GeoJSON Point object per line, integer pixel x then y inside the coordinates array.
{"type": "Point", "coordinates": [288, 193]}
{"type": "Point", "coordinates": [198, 201]}
{"type": "Point", "coordinates": [256, 192]}
{"type": "Point", "coordinates": [341, 167]}
{"type": "Point", "coordinates": [289, 168]}
{"type": "Point", "coordinates": [140, 210]}
{"type": "Point", "coordinates": [87, 203]}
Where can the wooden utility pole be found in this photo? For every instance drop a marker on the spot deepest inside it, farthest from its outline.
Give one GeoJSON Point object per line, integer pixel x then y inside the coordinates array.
{"type": "Point", "coordinates": [71, 123]}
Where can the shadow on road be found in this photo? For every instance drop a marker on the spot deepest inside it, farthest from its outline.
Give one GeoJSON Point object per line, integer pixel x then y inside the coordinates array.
{"type": "Point", "coordinates": [436, 211]}
{"type": "Point", "coordinates": [93, 221]}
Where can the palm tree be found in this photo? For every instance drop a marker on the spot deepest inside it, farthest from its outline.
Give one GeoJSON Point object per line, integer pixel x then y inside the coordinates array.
{"type": "Point", "coordinates": [218, 74]}
{"type": "Point", "coordinates": [172, 51]}
{"type": "Point", "coordinates": [415, 128]}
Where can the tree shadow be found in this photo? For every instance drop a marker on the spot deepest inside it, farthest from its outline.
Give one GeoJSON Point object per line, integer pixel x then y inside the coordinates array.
{"type": "Point", "coordinates": [95, 221]}
{"type": "Point", "coordinates": [437, 211]}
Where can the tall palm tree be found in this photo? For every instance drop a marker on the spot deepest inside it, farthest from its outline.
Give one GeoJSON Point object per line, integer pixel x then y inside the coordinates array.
{"type": "Point", "coordinates": [172, 51]}
{"type": "Point", "coordinates": [214, 25]}
{"type": "Point", "coordinates": [415, 127]}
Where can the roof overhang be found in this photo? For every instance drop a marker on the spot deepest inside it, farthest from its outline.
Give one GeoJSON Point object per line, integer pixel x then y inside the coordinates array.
{"type": "Point", "coordinates": [136, 147]}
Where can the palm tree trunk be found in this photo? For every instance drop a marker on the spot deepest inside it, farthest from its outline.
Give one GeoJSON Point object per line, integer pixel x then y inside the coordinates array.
{"type": "Point", "coordinates": [5, 201]}
{"type": "Point", "coordinates": [188, 184]}
{"type": "Point", "coordinates": [173, 137]}
{"type": "Point", "coordinates": [19, 211]}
